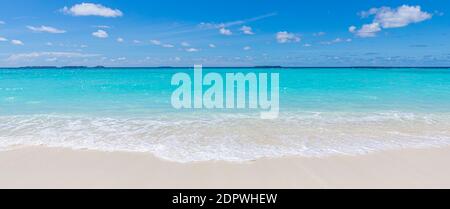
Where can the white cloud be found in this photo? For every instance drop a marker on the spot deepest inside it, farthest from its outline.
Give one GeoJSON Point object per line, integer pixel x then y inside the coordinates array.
{"type": "Point", "coordinates": [155, 42]}
{"type": "Point", "coordinates": [247, 30]}
{"type": "Point", "coordinates": [45, 29]}
{"type": "Point", "coordinates": [285, 37]}
{"type": "Point", "coordinates": [368, 30]}
{"type": "Point", "coordinates": [234, 23]}
{"type": "Point", "coordinates": [168, 46]}
{"type": "Point", "coordinates": [136, 41]}
{"type": "Point", "coordinates": [366, 14]}
{"type": "Point", "coordinates": [225, 32]}
{"type": "Point", "coordinates": [2, 39]}
{"type": "Point", "coordinates": [246, 48]}
{"type": "Point", "coordinates": [352, 29]}
{"type": "Point", "coordinates": [49, 44]}
{"type": "Point", "coordinates": [386, 17]}
{"type": "Point", "coordinates": [192, 50]}
{"type": "Point", "coordinates": [185, 44]}
{"type": "Point", "coordinates": [337, 40]}
{"type": "Point", "coordinates": [439, 13]}
{"type": "Point", "coordinates": [120, 40]}
{"type": "Point", "coordinates": [307, 45]}
{"type": "Point", "coordinates": [53, 59]}
{"type": "Point", "coordinates": [103, 26]}
{"type": "Point", "coordinates": [159, 43]}
{"type": "Point", "coordinates": [34, 55]}
{"type": "Point", "coordinates": [17, 42]}
{"type": "Point", "coordinates": [212, 45]}
{"type": "Point", "coordinates": [90, 9]}
{"type": "Point", "coordinates": [118, 59]}
{"type": "Point", "coordinates": [400, 17]}
{"type": "Point", "coordinates": [319, 34]}
{"type": "Point", "coordinates": [100, 34]}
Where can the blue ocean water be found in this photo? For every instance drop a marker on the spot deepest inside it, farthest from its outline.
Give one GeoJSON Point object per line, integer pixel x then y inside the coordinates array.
{"type": "Point", "coordinates": [323, 112]}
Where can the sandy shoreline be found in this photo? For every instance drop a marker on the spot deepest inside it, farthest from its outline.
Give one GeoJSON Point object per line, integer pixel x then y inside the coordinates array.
{"type": "Point", "coordinates": [39, 167]}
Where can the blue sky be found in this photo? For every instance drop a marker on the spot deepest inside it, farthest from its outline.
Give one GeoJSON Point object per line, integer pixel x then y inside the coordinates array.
{"type": "Point", "coordinates": [225, 33]}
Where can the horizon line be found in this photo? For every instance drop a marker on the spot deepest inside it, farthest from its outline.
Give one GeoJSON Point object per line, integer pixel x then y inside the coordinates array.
{"type": "Point", "coordinates": [262, 66]}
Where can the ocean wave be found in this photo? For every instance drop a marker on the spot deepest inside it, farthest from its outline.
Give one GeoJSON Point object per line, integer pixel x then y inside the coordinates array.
{"type": "Point", "coordinates": [231, 137]}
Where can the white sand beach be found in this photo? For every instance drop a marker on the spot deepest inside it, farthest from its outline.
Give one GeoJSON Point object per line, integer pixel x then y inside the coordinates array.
{"type": "Point", "coordinates": [38, 167]}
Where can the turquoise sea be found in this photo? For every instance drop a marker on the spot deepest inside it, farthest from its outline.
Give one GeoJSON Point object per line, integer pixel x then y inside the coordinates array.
{"type": "Point", "coordinates": [323, 112]}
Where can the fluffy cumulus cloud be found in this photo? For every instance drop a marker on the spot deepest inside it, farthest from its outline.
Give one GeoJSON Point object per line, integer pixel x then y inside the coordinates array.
{"type": "Point", "coordinates": [45, 29]}
{"type": "Point", "coordinates": [90, 9]}
{"type": "Point", "coordinates": [225, 32]}
{"type": "Point", "coordinates": [386, 17]}
{"type": "Point", "coordinates": [17, 42]}
{"type": "Point", "coordinates": [3, 39]}
{"type": "Point", "coordinates": [247, 30]}
{"type": "Point", "coordinates": [286, 37]}
{"type": "Point", "coordinates": [400, 17]}
{"type": "Point", "coordinates": [367, 30]}
{"type": "Point", "coordinates": [100, 34]}
{"type": "Point", "coordinates": [120, 40]}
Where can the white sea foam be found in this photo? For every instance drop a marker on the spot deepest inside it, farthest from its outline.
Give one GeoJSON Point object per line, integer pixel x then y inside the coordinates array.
{"type": "Point", "coordinates": [231, 137]}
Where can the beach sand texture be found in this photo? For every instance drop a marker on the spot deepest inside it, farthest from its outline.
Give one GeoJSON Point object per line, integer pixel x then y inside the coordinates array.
{"type": "Point", "coordinates": [38, 167]}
